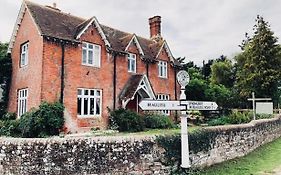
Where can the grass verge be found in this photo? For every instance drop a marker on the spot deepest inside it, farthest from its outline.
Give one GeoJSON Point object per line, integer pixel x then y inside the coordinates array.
{"type": "Point", "coordinates": [261, 161]}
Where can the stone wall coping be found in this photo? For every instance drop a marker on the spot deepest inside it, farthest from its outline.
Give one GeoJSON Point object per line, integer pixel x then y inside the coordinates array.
{"type": "Point", "coordinates": [242, 126]}
{"type": "Point", "coordinates": [97, 139]}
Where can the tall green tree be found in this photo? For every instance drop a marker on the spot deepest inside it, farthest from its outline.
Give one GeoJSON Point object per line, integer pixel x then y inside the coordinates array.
{"type": "Point", "coordinates": [222, 72]}
{"type": "Point", "coordinates": [5, 76]}
{"type": "Point", "coordinates": [258, 66]}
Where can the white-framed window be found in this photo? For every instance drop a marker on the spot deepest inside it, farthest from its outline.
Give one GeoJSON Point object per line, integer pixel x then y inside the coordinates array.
{"type": "Point", "coordinates": [24, 54]}
{"type": "Point", "coordinates": [163, 97]}
{"type": "Point", "coordinates": [132, 63]}
{"type": "Point", "coordinates": [162, 69]}
{"type": "Point", "coordinates": [91, 54]}
{"type": "Point", "coordinates": [22, 101]}
{"type": "Point", "coordinates": [89, 102]}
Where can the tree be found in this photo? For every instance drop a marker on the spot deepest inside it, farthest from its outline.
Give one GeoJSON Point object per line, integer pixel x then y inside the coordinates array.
{"type": "Point", "coordinates": [206, 69]}
{"type": "Point", "coordinates": [5, 76]}
{"type": "Point", "coordinates": [258, 66]}
{"type": "Point", "coordinates": [222, 72]}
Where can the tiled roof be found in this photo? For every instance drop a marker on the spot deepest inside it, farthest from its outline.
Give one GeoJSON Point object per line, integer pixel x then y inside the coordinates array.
{"type": "Point", "coordinates": [54, 23]}
{"type": "Point", "coordinates": [131, 87]}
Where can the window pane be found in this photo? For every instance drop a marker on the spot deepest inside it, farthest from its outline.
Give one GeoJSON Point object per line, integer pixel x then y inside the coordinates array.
{"type": "Point", "coordinates": [86, 92]}
{"type": "Point", "coordinates": [22, 58]}
{"type": "Point", "coordinates": [84, 56]}
{"type": "Point", "coordinates": [98, 93]}
{"type": "Point", "coordinates": [92, 93]}
{"type": "Point", "coordinates": [84, 45]}
{"type": "Point", "coordinates": [97, 56]}
{"type": "Point", "coordinates": [129, 65]}
{"type": "Point", "coordinates": [92, 106]}
{"type": "Point", "coordinates": [133, 65]}
{"type": "Point", "coordinates": [79, 92]}
{"type": "Point", "coordinates": [79, 106]}
{"type": "Point", "coordinates": [90, 61]}
{"type": "Point", "coordinates": [91, 46]}
{"type": "Point", "coordinates": [85, 106]}
{"type": "Point", "coordinates": [98, 106]}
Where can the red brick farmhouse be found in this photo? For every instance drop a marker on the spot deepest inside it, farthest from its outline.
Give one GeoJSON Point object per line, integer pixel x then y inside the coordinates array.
{"type": "Point", "coordinates": [87, 66]}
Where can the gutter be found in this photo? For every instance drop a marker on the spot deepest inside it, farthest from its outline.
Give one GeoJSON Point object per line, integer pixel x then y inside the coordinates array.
{"type": "Point", "coordinates": [62, 72]}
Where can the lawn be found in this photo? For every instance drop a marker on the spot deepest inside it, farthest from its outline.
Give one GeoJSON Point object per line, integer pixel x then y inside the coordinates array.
{"type": "Point", "coordinates": [259, 162]}
{"type": "Point", "coordinates": [143, 133]}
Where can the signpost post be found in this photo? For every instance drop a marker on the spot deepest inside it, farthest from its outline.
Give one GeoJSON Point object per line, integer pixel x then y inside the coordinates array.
{"type": "Point", "coordinates": [183, 106]}
{"type": "Point", "coordinates": [183, 79]}
{"type": "Point", "coordinates": [254, 103]}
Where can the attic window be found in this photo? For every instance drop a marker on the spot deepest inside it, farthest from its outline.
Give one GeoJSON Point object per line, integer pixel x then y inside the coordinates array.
{"type": "Point", "coordinates": [91, 54]}
{"type": "Point", "coordinates": [132, 63]}
{"type": "Point", "coordinates": [162, 69]}
{"type": "Point", "coordinates": [24, 54]}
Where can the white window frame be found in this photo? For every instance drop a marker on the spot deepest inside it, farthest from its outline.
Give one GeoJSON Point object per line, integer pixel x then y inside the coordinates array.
{"type": "Point", "coordinates": [89, 97]}
{"type": "Point", "coordinates": [163, 97]}
{"type": "Point", "coordinates": [22, 101]}
{"type": "Point", "coordinates": [163, 69]}
{"type": "Point", "coordinates": [96, 54]}
{"type": "Point", "coordinates": [132, 62]}
{"type": "Point", "coordinates": [24, 54]}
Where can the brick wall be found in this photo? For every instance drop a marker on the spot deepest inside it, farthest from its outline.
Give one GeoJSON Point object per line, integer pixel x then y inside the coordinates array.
{"type": "Point", "coordinates": [29, 76]}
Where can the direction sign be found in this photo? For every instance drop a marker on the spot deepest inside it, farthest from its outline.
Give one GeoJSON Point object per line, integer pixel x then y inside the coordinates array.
{"type": "Point", "coordinates": [177, 105]}
{"type": "Point", "coordinates": [200, 105]}
{"type": "Point", "coordinates": [160, 105]}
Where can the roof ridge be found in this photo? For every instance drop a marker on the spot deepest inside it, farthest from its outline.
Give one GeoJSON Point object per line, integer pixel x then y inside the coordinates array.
{"type": "Point", "coordinates": [116, 29]}
{"type": "Point", "coordinates": [51, 9]}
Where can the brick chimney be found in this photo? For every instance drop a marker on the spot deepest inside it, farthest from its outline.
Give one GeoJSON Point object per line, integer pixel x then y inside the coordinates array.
{"type": "Point", "coordinates": [155, 27]}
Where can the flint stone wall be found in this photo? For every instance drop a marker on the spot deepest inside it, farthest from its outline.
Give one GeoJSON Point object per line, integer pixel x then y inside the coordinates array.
{"type": "Point", "coordinates": [125, 155]}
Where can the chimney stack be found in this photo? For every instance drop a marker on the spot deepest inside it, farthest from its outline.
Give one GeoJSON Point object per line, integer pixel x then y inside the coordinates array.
{"type": "Point", "coordinates": [155, 27]}
{"type": "Point", "coordinates": [55, 5]}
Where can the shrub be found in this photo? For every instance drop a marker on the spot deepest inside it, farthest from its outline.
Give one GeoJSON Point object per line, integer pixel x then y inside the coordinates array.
{"type": "Point", "coordinates": [9, 116]}
{"type": "Point", "coordinates": [200, 140]}
{"type": "Point", "coordinates": [9, 128]}
{"type": "Point", "coordinates": [46, 121]}
{"type": "Point", "coordinates": [239, 117]}
{"type": "Point", "coordinates": [264, 116]}
{"type": "Point", "coordinates": [155, 121]}
{"type": "Point", "coordinates": [126, 120]}
{"type": "Point", "coordinates": [218, 121]}
{"type": "Point", "coordinates": [232, 118]}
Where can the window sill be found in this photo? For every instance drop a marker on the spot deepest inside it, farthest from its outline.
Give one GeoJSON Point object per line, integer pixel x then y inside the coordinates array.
{"type": "Point", "coordinates": [23, 66]}
{"type": "Point", "coordinates": [89, 65]}
{"type": "Point", "coordinates": [163, 77]}
{"type": "Point", "coordinates": [132, 72]}
{"type": "Point", "coordinates": [88, 116]}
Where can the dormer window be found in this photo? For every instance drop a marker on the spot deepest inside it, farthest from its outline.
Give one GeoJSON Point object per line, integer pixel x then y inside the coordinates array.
{"type": "Point", "coordinates": [162, 69]}
{"type": "Point", "coordinates": [91, 54]}
{"type": "Point", "coordinates": [24, 54]}
{"type": "Point", "coordinates": [132, 63]}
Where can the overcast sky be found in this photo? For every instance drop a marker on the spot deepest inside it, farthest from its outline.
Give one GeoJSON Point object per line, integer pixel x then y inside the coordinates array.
{"type": "Point", "coordinates": [196, 29]}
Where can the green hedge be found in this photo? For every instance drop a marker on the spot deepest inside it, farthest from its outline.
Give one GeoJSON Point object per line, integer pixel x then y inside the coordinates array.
{"type": "Point", "coordinates": [126, 120]}
{"type": "Point", "coordinates": [155, 121]}
{"type": "Point", "coordinates": [42, 122]}
{"type": "Point", "coordinates": [200, 140]}
{"type": "Point", "coordinates": [233, 118]}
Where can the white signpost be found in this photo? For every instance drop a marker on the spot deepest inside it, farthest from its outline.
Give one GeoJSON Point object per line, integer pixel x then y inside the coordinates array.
{"type": "Point", "coordinates": [254, 99]}
{"type": "Point", "coordinates": [160, 105]}
{"type": "Point", "coordinates": [154, 105]}
{"type": "Point", "coordinates": [183, 105]}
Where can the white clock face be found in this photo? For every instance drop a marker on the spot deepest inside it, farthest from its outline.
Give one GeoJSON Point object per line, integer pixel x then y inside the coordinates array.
{"type": "Point", "coordinates": [183, 78]}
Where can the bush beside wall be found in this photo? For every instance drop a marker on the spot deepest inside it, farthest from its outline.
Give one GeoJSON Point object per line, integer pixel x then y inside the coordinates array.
{"type": "Point", "coordinates": [47, 120]}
